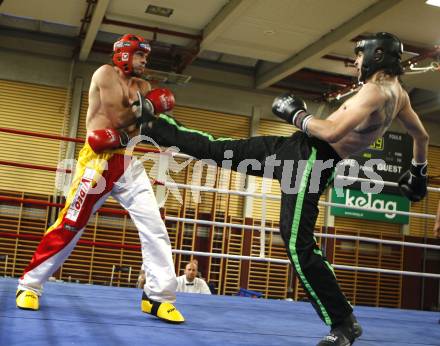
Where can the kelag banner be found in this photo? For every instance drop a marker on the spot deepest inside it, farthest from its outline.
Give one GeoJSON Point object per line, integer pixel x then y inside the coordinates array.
{"type": "Point", "coordinates": [357, 198]}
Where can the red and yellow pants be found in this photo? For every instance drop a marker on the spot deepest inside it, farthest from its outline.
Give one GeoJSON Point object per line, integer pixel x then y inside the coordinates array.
{"type": "Point", "coordinates": [98, 176]}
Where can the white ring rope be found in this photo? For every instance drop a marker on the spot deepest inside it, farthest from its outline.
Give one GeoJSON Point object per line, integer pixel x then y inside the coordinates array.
{"type": "Point", "coordinates": [220, 224]}
{"type": "Point", "coordinates": [322, 235]}
{"type": "Point", "coordinates": [225, 191]}
{"type": "Point", "coordinates": [378, 241]}
{"type": "Point", "coordinates": [262, 227]}
{"type": "Point", "coordinates": [281, 261]}
{"type": "Point", "coordinates": [385, 271]}
{"type": "Point", "coordinates": [379, 182]}
{"type": "Point", "coordinates": [274, 197]}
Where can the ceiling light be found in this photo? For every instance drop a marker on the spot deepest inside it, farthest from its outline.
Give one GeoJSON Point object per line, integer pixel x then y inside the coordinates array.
{"type": "Point", "coordinates": [159, 11]}
{"type": "Point", "coordinates": [433, 2]}
{"type": "Point", "coordinates": [269, 32]}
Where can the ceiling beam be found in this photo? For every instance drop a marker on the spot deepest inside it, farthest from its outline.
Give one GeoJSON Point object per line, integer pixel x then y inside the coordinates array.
{"type": "Point", "coordinates": [223, 20]}
{"type": "Point", "coordinates": [92, 29]}
{"type": "Point", "coordinates": [325, 44]}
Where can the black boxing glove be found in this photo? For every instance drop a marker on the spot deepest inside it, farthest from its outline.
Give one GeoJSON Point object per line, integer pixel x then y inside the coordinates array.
{"type": "Point", "coordinates": [156, 101]}
{"type": "Point", "coordinates": [143, 109]}
{"type": "Point", "coordinates": [292, 109]}
{"type": "Point", "coordinates": [413, 183]}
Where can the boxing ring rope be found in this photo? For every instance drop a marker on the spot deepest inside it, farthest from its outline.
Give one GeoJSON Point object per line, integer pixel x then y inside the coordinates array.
{"type": "Point", "coordinates": [32, 166]}
{"type": "Point", "coordinates": [70, 139]}
{"type": "Point", "coordinates": [41, 135]}
{"type": "Point", "coordinates": [232, 257]}
{"type": "Point", "coordinates": [281, 261]}
{"type": "Point", "coordinates": [259, 195]}
{"type": "Point", "coordinates": [274, 197]}
{"type": "Point", "coordinates": [250, 194]}
{"type": "Point", "coordinates": [322, 235]}
{"type": "Point", "coordinates": [227, 256]}
{"type": "Point", "coordinates": [379, 182]}
{"type": "Point", "coordinates": [260, 228]}
{"type": "Point", "coordinates": [225, 224]}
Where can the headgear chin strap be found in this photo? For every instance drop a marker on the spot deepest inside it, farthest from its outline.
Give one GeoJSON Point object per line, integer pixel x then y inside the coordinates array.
{"type": "Point", "coordinates": [125, 47]}
{"type": "Point", "coordinates": [382, 51]}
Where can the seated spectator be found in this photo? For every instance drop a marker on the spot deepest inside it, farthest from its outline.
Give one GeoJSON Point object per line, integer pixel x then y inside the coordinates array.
{"type": "Point", "coordinates": [190, 283]}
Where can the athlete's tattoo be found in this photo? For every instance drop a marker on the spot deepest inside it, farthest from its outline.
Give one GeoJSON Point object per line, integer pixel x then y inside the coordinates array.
{"type": "Point", "coordinates": [387, 111]}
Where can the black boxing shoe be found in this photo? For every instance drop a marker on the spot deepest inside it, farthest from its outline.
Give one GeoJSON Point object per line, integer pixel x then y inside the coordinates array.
{"type": "Point", "coordinates": [343, 334]}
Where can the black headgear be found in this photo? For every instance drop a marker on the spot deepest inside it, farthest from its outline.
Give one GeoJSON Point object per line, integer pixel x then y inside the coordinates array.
{"type": "Point", "coordinates": [382, 51]}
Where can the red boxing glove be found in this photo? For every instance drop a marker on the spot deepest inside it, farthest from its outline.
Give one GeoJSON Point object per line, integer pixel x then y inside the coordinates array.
{"type": "Point", "coordinates": [104, 139]}
{"type": "Point", "coordinates": [162, 100]}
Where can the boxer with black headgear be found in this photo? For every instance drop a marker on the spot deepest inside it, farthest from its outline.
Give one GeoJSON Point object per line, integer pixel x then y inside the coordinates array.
{"type": "Point", "coordinates": [381, 51]}
{"type": "Point", "coordinates": [350, 129]}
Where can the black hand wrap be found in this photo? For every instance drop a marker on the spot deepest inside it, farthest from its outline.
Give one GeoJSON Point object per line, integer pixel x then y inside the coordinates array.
{"type": "Point", "coordinates": [413, 183]}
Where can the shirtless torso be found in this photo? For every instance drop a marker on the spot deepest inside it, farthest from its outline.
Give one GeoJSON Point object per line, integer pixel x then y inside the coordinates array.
{"type": "Point", "coordinates": [110, 96]}
{"type": "Point", "coordinates": [367, 115]}
{"type": "Point", "coordinates": [377, 123]}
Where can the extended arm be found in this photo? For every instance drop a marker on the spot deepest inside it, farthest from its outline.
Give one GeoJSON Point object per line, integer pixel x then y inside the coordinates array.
{"type": "Point", "coordinates": [348, 116]}
{"type": "Point", "coordinates": [413, 183]}
{"type": "Point", "coordinates": [339, 123]}
{"type": "Point", "coordinates": [410, 120]}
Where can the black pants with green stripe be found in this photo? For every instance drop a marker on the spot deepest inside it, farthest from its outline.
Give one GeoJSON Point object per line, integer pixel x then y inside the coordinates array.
{"type": "Point", "coordinates": [291, 160]}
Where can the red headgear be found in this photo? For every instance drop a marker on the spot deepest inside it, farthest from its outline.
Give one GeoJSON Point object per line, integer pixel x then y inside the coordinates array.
{"type": "Point", "coordinates": [124, 49]}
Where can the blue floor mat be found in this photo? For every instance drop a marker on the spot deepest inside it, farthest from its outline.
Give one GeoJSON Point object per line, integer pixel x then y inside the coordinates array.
{"type": "Point", "coordinates": [77, 314]}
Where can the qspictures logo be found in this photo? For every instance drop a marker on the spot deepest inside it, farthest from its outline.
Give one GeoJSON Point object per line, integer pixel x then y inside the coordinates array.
{"type": "Point", "coordinates": [168, 163]}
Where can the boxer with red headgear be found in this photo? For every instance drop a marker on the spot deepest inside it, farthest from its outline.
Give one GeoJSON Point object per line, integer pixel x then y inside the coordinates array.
{"type": "Point", "coordinates": [125, 49]}
{"type": "Point", "coordinates": [117, 109]}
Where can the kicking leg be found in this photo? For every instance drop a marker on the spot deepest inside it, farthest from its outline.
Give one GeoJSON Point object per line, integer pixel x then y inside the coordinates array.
{"type": "Point", "coordinates": [244, 155]}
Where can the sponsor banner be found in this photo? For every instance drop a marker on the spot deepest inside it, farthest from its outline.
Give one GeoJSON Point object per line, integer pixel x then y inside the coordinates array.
{"type": "Point", "coordinates": [356, 198]}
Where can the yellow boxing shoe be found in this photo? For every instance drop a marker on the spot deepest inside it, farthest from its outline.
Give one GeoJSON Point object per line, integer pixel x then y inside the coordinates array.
{"type": "Point", "coordinates": [165, 311]}
{"type": "Point", "coordinates": [27, 300]}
